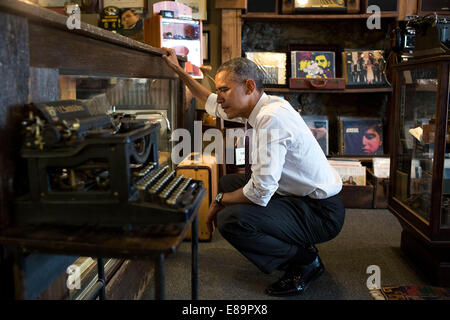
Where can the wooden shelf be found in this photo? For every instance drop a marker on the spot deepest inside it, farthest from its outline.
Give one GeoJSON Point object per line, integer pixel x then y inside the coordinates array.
{"type": "Point", "coordinates": [366, 90]}
{"type": "Point", "coordinates": [292, 17]}
{"type": "Point", "coordinates": [362, 158]}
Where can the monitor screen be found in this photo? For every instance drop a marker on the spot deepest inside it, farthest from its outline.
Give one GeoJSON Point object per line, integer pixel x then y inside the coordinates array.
{"type": "Point", "coordinates": [185, 37]}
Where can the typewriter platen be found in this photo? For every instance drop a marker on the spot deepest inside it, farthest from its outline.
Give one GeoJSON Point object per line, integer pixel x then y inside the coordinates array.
{"type": "Point", "coordinates": [98, 170]}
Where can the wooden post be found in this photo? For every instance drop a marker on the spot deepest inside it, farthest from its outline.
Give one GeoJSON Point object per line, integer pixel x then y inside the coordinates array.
{"type": "Point", "coordinates": [406, 8]}
{"type": "Point", "coordinates": [231, 34]}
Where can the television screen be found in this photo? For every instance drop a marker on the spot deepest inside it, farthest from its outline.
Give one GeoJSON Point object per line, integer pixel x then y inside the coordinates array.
{"type": "Point", "coordinates": [185, 37]}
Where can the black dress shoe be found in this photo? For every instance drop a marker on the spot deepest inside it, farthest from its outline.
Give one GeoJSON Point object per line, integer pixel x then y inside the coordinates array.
{"type": "Point", "coordinates": [296, 279]}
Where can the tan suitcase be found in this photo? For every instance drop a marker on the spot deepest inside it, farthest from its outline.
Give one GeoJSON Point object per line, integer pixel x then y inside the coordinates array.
{"type": "Point", "coordinates": [203, 168]}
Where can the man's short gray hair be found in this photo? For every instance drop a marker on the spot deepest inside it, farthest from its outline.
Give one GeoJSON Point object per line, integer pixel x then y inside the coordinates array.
{"type": "Point", "coordinates": [243, 69]}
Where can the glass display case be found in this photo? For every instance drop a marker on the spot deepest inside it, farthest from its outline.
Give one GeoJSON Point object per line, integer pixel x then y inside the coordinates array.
{"type": "Point", "coordinates": [151, 99]}
{"type": "Point", "coordinates": [420, 164]}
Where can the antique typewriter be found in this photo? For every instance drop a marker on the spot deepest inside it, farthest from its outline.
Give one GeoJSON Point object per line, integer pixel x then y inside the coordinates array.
{"type": "Point", "coordinates": [98, 170]}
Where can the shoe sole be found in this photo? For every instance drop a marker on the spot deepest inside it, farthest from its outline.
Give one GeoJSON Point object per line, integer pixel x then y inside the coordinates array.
{"type": "Point", "coordinates": [297, 293]}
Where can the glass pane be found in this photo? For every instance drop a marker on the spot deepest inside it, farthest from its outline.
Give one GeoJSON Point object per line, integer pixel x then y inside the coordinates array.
{"type": "Point", "coordinates": [445, 219]}
{"type": "Point", "coordinates": [153, 99]}
{"type": "Point", "coordinates": [415, 141]}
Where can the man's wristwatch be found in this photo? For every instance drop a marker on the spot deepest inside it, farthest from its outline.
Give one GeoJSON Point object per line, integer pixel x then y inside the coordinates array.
{"type": "Point", "coordinates": [219, 197]}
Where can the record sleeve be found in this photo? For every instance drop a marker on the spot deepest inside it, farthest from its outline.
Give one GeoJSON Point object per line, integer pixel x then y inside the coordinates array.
{"type": "Point", "coordinates": [364, 68]}
{"type": "Point", "coordinates": [319, 128]}
{"type": "Point", "coordinates": [313, 64]}
{"type": "Point", "coordinates": [361, 136]}
{"type": "Point", "coordinates": [273, 64]}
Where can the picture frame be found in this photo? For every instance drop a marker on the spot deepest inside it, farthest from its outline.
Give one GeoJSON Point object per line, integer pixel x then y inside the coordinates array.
{"type": "Point", "coordinates": [364, 68]}
{"type": "Point", "coordinates": [319, 128]}
{"type": "Point", "coordinates": [273, 64]}
{"type": "Point", "coordinates": [199, 8]}
{"type": "Point", "coordinates": [206, 47]}
{"type": "Point", "coordinates": [318, 47]}
{"type": "Point", "coordinates": [361, 136]}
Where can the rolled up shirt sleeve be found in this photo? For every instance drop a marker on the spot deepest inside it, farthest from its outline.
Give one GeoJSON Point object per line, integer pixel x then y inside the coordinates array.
{"type": "Point", "coordinates": [270, 142]}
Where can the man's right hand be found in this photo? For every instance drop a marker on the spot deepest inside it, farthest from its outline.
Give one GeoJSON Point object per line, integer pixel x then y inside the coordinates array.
{"type": "Point", "coordinates": [198, 90]}
{"type": "Point", "coordinates": [171, 59]}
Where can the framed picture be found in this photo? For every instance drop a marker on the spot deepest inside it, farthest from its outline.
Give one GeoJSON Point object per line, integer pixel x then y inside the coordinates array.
{"type": "Point", "coordinates": [273, 64]}
{"type": "Point", "coordinates": [206, 47]}
{"type": "Point", "coordinates": [361, 136]}
{"type": "Point", "coordinates": [319, 128]}
{"type": "Point", "coordinates": [199, 9]}
{"type": "Point", "coordinates": [364, 68]}
{"type": "Point", "coordinates": [313, 64]}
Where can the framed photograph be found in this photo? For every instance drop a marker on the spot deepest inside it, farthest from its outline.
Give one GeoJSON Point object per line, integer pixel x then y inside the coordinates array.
{"type": "Point", "coordinates": [273, 64]}
{"type": "Point", "coordinates": [364, 68]}
{"type": "Point", "coordinates": [206, 47]}
{"type": "Point", "coordinates": [319, 129]}
{"type": "Point", "coordinates": [361, 136]}
{"type": "Point", "coordinates": [313, 64]}
{"type": "Point", "coordinates": [199, 9]}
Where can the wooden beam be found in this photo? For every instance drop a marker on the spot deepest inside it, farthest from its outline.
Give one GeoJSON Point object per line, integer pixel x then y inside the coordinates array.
{"type": "Point", "coordinates": [406, 8]}
{"type": "Point", "coordinates": [231, 34]}
{"type": "Point", "coordinates": [231, 4]}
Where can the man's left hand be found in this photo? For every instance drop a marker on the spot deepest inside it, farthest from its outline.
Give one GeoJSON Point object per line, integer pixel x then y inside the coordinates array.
{"type": "Point", "coordinates": [211, 221]}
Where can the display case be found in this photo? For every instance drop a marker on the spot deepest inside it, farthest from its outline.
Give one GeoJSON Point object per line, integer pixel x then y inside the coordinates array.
{"type": "Point", "coordinates": [419, 193]}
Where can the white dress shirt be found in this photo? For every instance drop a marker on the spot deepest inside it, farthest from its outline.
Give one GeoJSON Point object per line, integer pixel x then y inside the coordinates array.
{"type": "Point", "coordinates": [289, 160]}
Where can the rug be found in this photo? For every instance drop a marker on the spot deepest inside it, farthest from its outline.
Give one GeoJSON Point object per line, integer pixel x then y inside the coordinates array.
{"type": "Point", "coordinates": [411, 293]}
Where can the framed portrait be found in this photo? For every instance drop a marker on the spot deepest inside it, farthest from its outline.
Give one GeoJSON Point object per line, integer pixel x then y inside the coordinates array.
{"type": "Point", "coordinates": [361, 136]}
{"type": "Point", "coordinates": [364, 68]}
{"type": "Point", "coordinates": [206, 47]}
{"type": "Point", "coordinates": [199, 9]}
{"type": "Point", "coordinates": [274, 66]}
{"type": "Point", "coordinates": [313, 64]}
{"type": "Point", "coordinates": [319, 129]}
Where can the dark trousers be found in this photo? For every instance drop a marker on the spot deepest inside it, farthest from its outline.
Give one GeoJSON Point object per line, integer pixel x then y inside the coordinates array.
{"type": "Point", "coordinates": [271, 236]}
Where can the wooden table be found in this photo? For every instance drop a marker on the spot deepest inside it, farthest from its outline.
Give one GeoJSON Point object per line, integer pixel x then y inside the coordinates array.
{"type": "Point", "coordinates": [150, 242]}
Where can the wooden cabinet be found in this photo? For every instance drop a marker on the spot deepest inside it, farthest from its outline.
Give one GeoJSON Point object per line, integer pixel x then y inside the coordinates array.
{"type": "Point", "coordinates": [420, 164]}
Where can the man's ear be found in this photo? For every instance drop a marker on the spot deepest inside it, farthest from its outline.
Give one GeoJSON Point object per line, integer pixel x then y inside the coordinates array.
{"type": "Point", "coordinates": [250, 86]}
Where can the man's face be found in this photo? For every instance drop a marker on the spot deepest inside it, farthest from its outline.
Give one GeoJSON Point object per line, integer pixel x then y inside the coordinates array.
{"type": "Point", "coordinates": [371, 141]}
{"type": "Point", "coordinates": [322, 61]}
{"type": "Point", "coordinates": [129, 19]}
{"type": "Point", "coordinates": [231, 95]}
